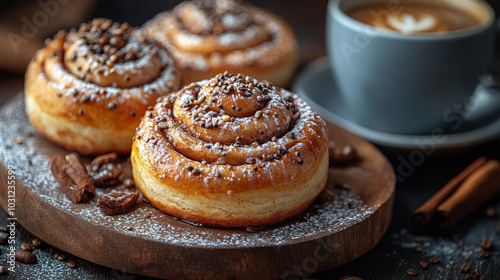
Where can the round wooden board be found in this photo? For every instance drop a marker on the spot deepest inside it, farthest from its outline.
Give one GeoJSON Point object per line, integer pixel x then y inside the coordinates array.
{"type": "Point", "coordinates": [333, 231]}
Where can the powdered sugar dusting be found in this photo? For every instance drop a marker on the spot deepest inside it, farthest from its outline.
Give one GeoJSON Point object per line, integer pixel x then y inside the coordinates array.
{"type": "Point", "coordinates": [446, 248]}
{"type": "Point", "coordinates": [342, 210]}
{"type": "Point", "coordinates": [48, 268]}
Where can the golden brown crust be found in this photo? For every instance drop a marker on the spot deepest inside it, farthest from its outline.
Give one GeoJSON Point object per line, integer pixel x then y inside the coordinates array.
{"type": "Point", "coordinates": [210, 37]}
{"type": "Point", "coordinates": [88, 88]}
{"type": "Point", "coordinates": [231, 152]}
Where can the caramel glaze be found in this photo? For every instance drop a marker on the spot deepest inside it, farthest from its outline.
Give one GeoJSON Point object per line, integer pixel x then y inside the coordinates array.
{"type": "Point", "coordinates": [232, 137]}
{"type": "Point", "coordinates": [101, 76]}
{"type": "Point", "coordinates": [210, 37]}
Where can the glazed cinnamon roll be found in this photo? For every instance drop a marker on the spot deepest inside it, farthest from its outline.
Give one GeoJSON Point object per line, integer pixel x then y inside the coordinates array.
{"type": "Point", "coordinates": [231, 152]}
{"type": "Point", "coordinates": [89, 87]}
{"type": "Point", "coordinates": [211, 36]}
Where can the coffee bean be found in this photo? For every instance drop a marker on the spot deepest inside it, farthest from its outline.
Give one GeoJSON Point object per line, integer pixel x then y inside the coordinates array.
{"type": "Point", "coordinates": [26, 246]}
{"type": "Point", "coordinates": [61, 257]}
{"type": "Point", "coordinates": [35, 242]}
{"type": "Point", "coordinates": [486, 244]}
{"type": "Point", "coordinates": [424, 265]}
{"type": "Point", "coordinates": [71, 264]}
{"type": "Point", "coordinates": [2, 270]}
{"type": "Point", "coordinates": [464, 267]}
{"type": "Point", "coordinates": [485, 254]}
{"type": "Point", "coordinates": [343, 156]}
{"type": "Point", "coordinates": [411, 272]}
{"type": "Point", "coordinates": [418, 249]}
{"type": "Point", "coordinates": [25, 256]}
{"type": "Point", "coordinates": [435, 260]}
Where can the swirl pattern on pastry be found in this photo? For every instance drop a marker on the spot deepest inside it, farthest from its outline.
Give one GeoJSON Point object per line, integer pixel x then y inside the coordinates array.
{"type": "Point", "coordinates": [231, 152]}
{"type": "Point", "coordinates": [88, 88]}
{"type": "Point", "coordinates": [212, 36]}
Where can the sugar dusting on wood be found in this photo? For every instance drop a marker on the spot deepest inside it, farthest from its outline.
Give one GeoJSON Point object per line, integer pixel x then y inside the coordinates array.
{"type": "Point", "coordinates": [31, 159]}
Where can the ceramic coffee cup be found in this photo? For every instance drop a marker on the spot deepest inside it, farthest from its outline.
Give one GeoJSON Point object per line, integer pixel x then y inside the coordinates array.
{"type": "Point", "coordinates": [400, 68]}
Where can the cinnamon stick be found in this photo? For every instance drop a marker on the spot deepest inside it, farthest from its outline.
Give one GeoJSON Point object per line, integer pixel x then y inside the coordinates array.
{"type": "Point", "coordinates": [423, 215]}
{"type": "Point", "coordinates": [78, 173]}
{"type": "Point", "coordinates": [477, 189]}
{"type": "Point", "coordinates": [72, 177]}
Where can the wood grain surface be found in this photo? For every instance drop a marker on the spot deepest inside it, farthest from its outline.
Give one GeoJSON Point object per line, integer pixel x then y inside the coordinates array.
{"type": "Point", "coordinates": [164, 247]}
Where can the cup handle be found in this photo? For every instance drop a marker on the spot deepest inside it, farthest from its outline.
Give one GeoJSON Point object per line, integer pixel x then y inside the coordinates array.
{"type": "Point", "coordinates": [484, 104]}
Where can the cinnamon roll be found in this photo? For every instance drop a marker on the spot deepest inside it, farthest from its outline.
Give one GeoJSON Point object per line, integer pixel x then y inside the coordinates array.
{"type": "Point", "coordinates": [231, 152]}
{"type": "Point", "coordinates": [89, 87]}
{"type": "Point", "coordinates": [211, 36]}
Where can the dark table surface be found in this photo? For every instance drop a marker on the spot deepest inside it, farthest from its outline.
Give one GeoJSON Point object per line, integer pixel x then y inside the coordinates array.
{"type": "Point", "coordinates": [392, 256]}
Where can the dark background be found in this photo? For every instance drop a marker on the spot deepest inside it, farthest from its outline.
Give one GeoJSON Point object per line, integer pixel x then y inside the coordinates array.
{"type": "Point", "coordinates": [307, 18]}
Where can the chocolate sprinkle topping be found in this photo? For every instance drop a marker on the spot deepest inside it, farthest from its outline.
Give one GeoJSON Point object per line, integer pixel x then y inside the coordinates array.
{"type": "Point", "coordinates": [112, 105]}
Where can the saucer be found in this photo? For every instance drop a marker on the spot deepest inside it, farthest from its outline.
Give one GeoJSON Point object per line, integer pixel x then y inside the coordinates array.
{"type": "Point", "coordinates": [481, 122]}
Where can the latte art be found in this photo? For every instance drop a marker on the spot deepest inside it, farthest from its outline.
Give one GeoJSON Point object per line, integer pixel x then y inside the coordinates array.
{"type": "Point", "coordinates": [415, 17]}
{"type": "Point", "coordinates": [408, 23]}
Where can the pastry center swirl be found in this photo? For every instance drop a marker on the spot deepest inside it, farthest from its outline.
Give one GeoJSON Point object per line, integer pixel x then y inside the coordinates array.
{"type": "Point", "coordinates": [230, 119]}
{"type": "Point", "coordinates": [213, 17]}
{"type": "Point", "coordinates": [111, 54]}
{"type": "Point", "coordinates": [233, 106]}
{"type": "Point", "coordinates": [217, 26]}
